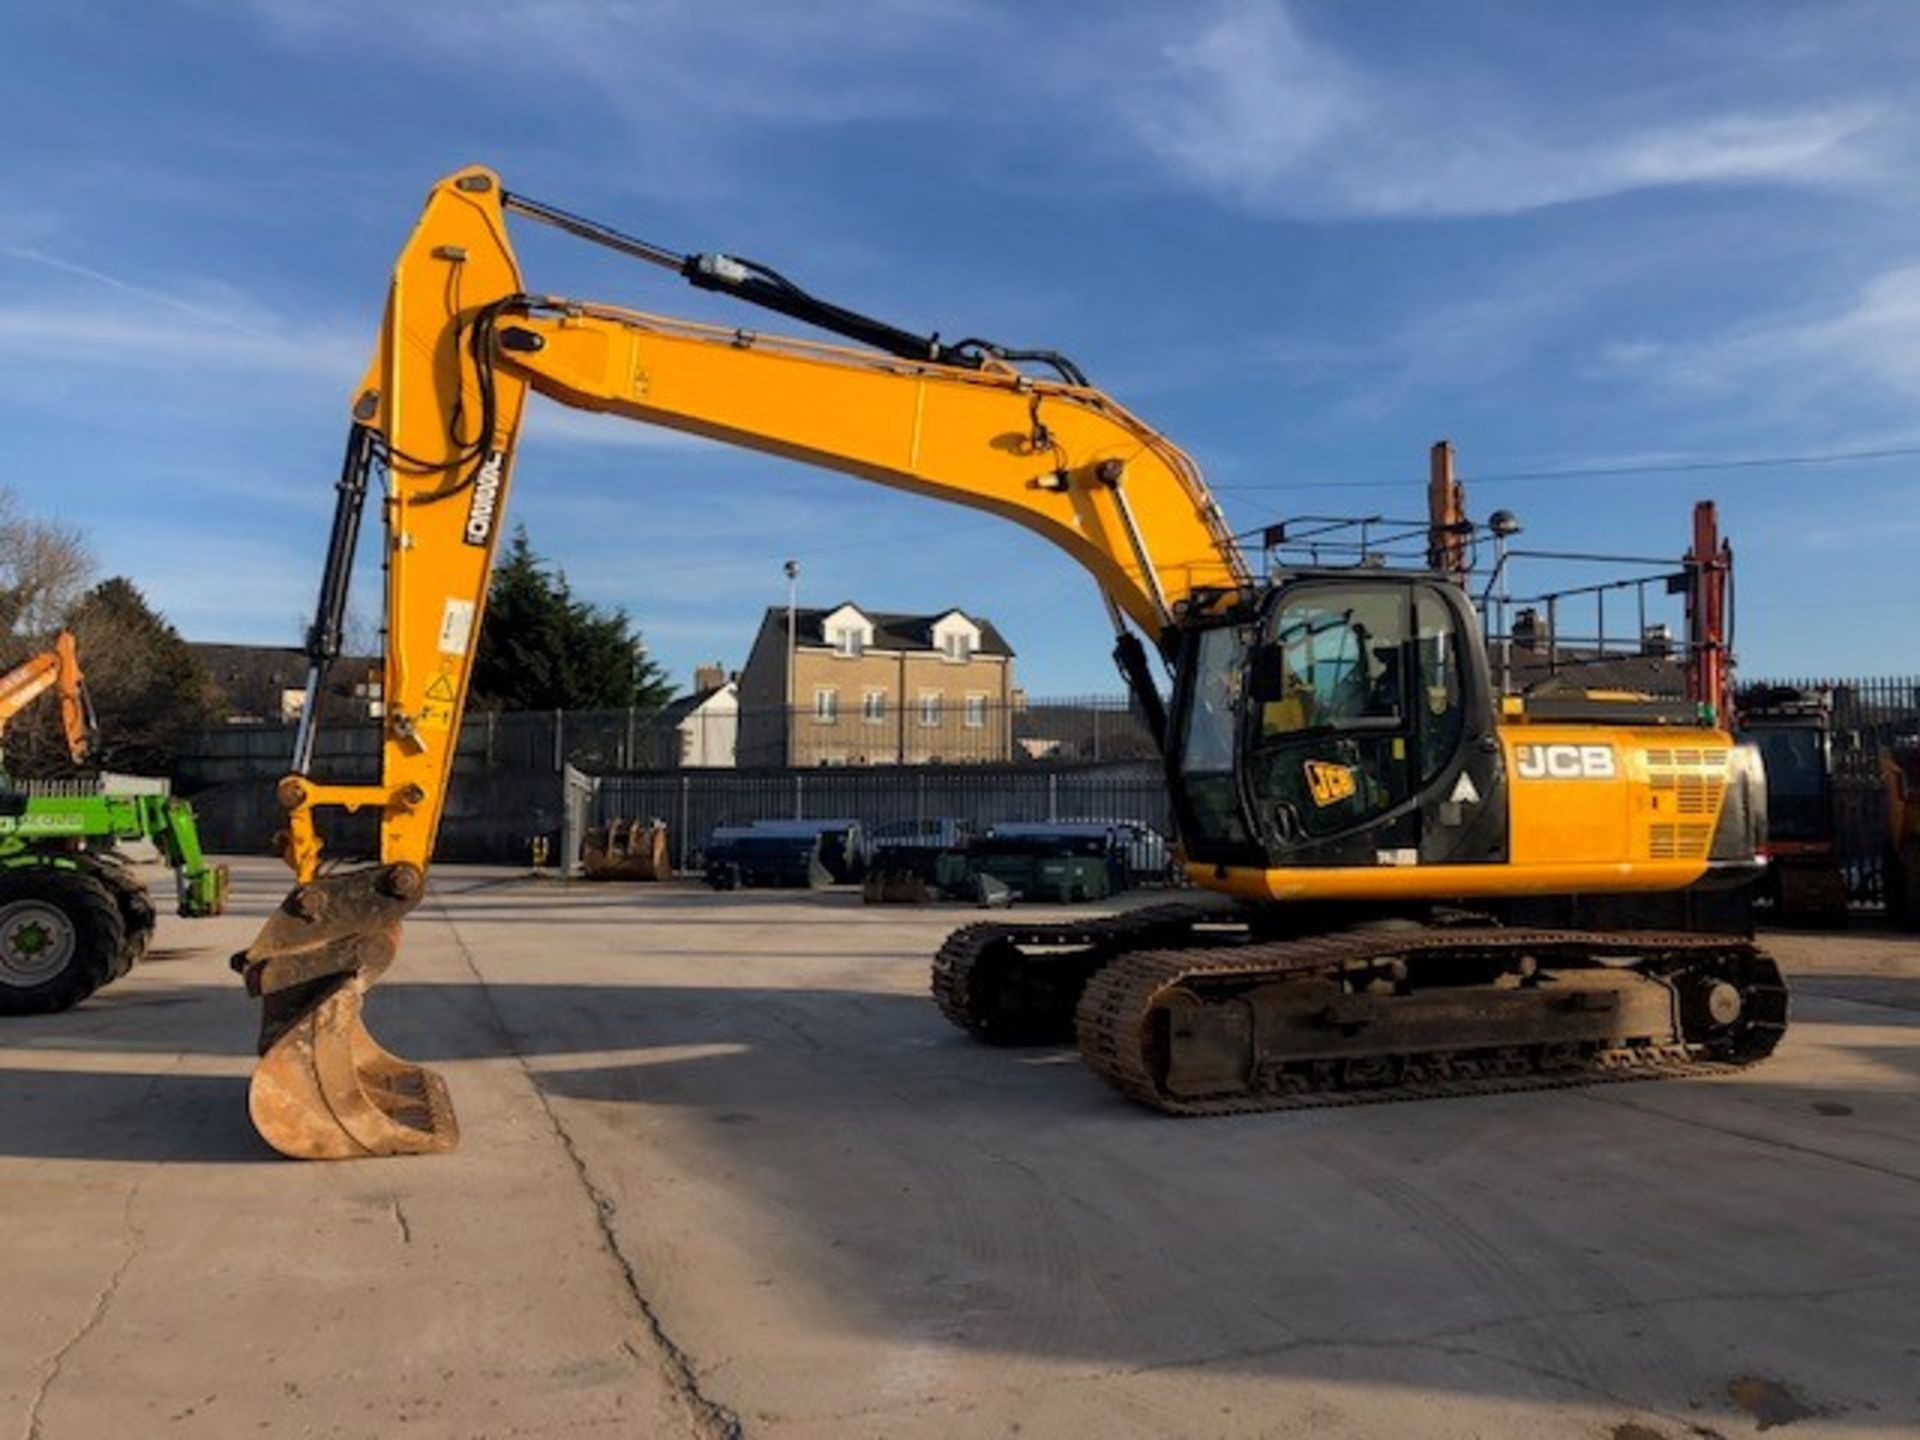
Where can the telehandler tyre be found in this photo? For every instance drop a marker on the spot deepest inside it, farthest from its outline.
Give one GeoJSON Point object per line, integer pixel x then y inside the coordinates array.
{"type": "Point", "coordinates": [137, 914]}
{"type": "Point", "coordinates": [61, 936]}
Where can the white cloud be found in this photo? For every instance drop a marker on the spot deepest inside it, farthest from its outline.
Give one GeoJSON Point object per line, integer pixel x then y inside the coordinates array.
{"type": "Point", "coordinates": [1873, 339]}
{"type": "Point", "coordinates": [108, 337]}
{"type": "Point", "coordinates": [199, 325]}
{"type": "Point", "coordinates": [1235, 98]}
{"type": "Point", "coordinates": [1253, 110]}
{"type": "Point", "coordinates": [1246, 102]}
{"type": "Point", "coordinates": [682, 80]}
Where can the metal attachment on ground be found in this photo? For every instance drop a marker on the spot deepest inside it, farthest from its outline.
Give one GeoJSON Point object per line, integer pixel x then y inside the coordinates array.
{"type": "Point", "coordinates": [324, 1089]}
{"type": "Point", "coordinates": [624, 849]}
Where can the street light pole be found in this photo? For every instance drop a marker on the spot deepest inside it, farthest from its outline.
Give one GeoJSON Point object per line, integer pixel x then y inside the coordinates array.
{"type": "Point", "coordinates": [793, 599]}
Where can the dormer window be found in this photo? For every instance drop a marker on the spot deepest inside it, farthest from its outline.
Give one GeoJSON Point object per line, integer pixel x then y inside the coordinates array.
{"type": "Point", "coordinates": [847, 631]}
{"type": "Point", "coordinates": [956, 638]}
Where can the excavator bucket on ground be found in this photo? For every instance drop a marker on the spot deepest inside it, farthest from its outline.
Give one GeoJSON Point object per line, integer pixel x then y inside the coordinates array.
{"type": "Point", "coordinates": [324, 1089]}
{"type": "Point", "coordinates": [626, 850]}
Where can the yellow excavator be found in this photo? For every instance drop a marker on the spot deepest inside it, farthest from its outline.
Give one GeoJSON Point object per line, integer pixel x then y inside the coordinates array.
{"type": "Point", "coordinates": [1443, 889]}
{"type": "Point", "coordinates": [56, 668]}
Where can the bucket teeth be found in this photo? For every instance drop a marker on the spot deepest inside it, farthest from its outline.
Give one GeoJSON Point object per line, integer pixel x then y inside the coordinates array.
{"type": "Point", "coordinates": [324, 1089]}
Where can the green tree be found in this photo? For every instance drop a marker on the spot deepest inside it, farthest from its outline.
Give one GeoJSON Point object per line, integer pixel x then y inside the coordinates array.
{"type": "Point", "coordinates": [542, 649]}
{"type": "Point", "coordinates": [148, 689]}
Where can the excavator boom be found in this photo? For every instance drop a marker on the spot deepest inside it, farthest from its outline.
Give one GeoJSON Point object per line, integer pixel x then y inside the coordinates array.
{"type": "Point", "coordinates": [56, 668]}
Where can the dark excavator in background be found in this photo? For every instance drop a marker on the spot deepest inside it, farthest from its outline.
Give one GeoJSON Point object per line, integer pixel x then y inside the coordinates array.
{"type": "Point", "coordinates": [1793, 729]}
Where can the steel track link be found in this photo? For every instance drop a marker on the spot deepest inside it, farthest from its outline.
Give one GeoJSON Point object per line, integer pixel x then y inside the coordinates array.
{"type": "Point", "coordinates": [983, 974]}
{"type": "Point", "coordinates": [1115, 1011]}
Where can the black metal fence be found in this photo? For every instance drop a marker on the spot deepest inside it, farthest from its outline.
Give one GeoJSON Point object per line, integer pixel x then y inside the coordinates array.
{"type": "Point", "coordinates": [1869, 716]}
{"type": "Point", "coordinates": [1071, 731]}
{"type": "Point", "coordinates": [1087, 757]}
{"type": "Point", "coordinates": [693, 803]}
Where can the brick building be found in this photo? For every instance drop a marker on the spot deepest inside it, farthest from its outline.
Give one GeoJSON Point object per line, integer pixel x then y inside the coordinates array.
{"type": "Point", "coordinates": [876, 688]}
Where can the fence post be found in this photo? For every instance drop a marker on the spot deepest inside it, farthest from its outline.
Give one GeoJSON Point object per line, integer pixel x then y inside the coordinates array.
{"type": "Point", "coordinates": [628, 760]}
{"type": "Point", "coordinates": [559, 737]}
{"type": "Point", "coordinates": [1053, 797]}
{"type": "Point", "coordinates": [799, 800]}
{"type": "Point", "coordinates": [920, 799]}
{"type": "Point", "coordinates": [686, 785]}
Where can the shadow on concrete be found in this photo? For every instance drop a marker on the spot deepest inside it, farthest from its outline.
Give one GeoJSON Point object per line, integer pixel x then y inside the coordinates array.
{"type": "Point", "coordinates": [1553, 1243]}
{"type": "Point", "coordinates": [103, 1115]}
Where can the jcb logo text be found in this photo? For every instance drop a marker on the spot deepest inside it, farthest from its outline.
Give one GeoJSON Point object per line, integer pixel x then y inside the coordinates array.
{"type": "Point", "coordinates": [485, 501]}
{"type": "Point", "coordinates": [1563, 762]}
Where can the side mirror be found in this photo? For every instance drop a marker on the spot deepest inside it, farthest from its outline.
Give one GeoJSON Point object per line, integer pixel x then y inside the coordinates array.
{"type": "Point", "coordinates": [1267, 676]}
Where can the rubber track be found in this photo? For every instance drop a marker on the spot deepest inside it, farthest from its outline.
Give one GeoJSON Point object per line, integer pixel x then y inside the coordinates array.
{"type": "Point", "coordinates": [1114, 1008]}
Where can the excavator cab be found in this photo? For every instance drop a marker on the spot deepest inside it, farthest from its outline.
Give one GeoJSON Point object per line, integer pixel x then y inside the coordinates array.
{"type": "Point", "coordinates": [1338, 718]}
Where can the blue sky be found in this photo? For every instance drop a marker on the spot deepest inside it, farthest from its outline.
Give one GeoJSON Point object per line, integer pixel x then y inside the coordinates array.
{"type": "Point", "coordinates": [1306, 240]}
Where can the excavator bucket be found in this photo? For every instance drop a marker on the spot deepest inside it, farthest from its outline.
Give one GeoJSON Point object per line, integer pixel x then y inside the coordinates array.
{"type": "Point", "coordinates": [324, 1089]}
{"type": "Point", "coordinates": [626, 850]}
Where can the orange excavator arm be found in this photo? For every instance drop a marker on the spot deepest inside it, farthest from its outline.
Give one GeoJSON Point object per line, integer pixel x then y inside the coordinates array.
{"type": "Point", "coordinates": [56, 668]}
{"type": "Point", "coordinates": [461, 345]}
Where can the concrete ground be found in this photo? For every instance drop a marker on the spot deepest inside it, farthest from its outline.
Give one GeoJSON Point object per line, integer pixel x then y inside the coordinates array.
{"type": "Point", "coordinates": [727, 1171]}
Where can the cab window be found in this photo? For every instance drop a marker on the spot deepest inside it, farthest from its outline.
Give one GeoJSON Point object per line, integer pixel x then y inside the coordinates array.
{"type": "Point", "coordinates": [1337, 652]}
{"type": "Point", "coordinates": [1330, 751]}
{"type": "Point", "coordinates": [1213, 720]}
{"type": "Point", "coordinates": [1209, 745]}
{"type": "Point", "coordinates": [1439, 693]}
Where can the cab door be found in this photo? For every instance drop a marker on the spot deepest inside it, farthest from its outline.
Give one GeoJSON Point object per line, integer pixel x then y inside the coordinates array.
{"type": "Point", "coordinates": [1361, 697]}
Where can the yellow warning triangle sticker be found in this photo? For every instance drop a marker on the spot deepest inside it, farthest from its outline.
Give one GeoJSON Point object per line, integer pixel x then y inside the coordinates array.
{"type": "Point", "coordinates": [440, 688]}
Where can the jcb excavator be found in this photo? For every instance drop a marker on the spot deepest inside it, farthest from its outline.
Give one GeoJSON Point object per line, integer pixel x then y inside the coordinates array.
{"type": "Point", "coordinates": [1415, 854]}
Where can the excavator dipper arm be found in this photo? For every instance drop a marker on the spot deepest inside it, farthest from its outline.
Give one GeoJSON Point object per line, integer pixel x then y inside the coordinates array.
{"type": "Point", "coordinates": [439, 411]}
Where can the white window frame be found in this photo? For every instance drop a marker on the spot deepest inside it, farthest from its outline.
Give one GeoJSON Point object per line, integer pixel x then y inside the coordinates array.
{"type": "Point", "coordinates": [976, 711]}
{"type": "Point", "coordinates": [850, 643]}
{"type": "Point", "coordinates": [932, 706]}
{"type": "Point", "coordinates": [959, 648]}
{"type": "Point", "coordinates": [873, 707]}
{"type": "Point", "coordinates": [826, 705]}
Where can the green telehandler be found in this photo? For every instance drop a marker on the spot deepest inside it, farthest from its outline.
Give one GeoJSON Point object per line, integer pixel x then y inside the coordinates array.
{"type": "Point", "coordinates": [73, 913]}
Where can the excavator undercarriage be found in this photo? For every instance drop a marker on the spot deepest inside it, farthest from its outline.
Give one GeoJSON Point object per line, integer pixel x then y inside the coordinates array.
{"type": "Point", "coordinates": [1191, 1010]}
